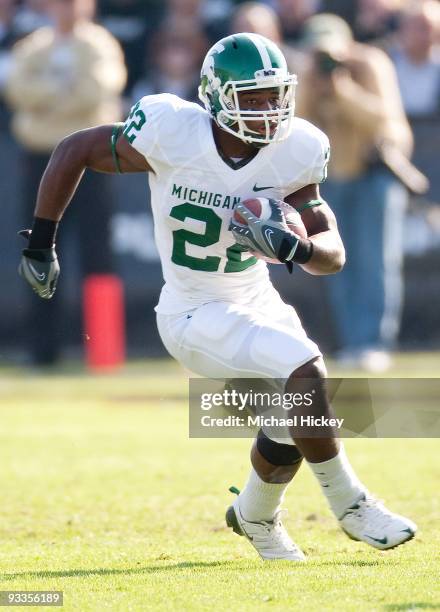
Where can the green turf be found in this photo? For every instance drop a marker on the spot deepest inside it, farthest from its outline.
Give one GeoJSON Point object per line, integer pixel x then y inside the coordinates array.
{"type": "Point", "coordinates": [104, 496]}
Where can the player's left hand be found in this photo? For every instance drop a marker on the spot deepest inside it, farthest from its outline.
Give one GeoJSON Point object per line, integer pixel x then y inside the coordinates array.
{"type": "Point", "coordinates": [40, 268]}
{"type": "Point", "coordinates": [270, 237]}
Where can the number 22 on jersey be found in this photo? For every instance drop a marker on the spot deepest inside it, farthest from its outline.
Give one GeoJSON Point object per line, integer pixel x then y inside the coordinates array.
{"type": "Point", "coordinates": [211, 236]}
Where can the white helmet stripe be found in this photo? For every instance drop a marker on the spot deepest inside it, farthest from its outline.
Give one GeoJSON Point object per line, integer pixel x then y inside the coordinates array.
{"type": "Point", "coordinates": [265, 58]}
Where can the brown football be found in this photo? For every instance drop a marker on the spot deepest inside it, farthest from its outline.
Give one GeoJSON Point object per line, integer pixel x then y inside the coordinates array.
{"type": "Point", "coordinates": [260, 208]}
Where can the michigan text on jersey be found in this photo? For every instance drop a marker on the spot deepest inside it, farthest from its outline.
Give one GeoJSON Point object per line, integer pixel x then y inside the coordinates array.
{"type": "Point", "coordinates": [206, 198]}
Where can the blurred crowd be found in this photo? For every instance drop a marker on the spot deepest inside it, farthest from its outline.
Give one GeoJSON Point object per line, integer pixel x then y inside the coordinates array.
{"type": "Point", "coordinates": [369, 75]}
{"type": "Point", "coordinates": [164, 42]}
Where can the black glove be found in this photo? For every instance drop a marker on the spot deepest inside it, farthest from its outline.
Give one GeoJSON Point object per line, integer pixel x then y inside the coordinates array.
{"type": "Point", "coordinates": [40, 268]}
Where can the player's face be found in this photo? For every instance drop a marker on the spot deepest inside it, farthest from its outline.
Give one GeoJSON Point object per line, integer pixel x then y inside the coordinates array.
{"type": "Point", "coordinates": [260, 100]}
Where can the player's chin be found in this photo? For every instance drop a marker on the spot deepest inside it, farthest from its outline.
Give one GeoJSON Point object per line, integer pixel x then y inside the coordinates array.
{"type": "Point", "coordinates": [256, 140]}
{"type": "Point", "coordinates": [260, 132]}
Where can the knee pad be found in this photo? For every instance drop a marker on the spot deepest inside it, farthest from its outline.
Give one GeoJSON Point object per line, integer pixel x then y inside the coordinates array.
{"type": "Point", "coordinates": [276, 453]}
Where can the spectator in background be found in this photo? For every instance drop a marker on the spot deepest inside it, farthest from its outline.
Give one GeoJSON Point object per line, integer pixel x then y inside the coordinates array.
{"type": "Point", "coordinates": [8, 36]}
{"type": "Point", "coordinates": [184, 16]}
{"type": "Point", "coordinates": [416, 57]}
{"type": "Point", "coordinates": [31, 15]}
{"type": "Point", "coordinates": [181, 21]}
{"type": "Point", "coordinates": [350, 91]}
{"type": "Point", "coordinates": [257, 18]}
{"type": "Point", "coordinates": [132, 22]}
{"type": "Point", "coordinates": [175, 66]}
{"type": "Point", "coordinates": [376, 20]}
{"type": "Point", "coordinates": [293, 14]}
{"type": "Point", "coordinates": [64, 78]}
{"type": "Point", "coordinates": [261, 19]}
{"type": "Point", "coordinates": [216, 16]}
{"type": "Point", "coordinates": [7, 13]}
{"type": "Point", "coordinates": [346, 10]}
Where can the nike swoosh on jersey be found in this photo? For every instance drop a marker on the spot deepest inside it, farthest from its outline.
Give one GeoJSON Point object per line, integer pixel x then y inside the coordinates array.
{"type": "Point", "coordinates": [255, 188]}
{"type": "Point", "coordinates": [39, 276]}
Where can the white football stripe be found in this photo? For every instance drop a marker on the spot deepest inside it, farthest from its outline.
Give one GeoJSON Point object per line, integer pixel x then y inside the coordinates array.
{"type": "Point", "coordinates": [267, 64]}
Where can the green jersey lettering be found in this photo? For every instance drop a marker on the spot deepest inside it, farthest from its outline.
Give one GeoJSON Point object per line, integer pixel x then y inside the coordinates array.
{"type": "Point", "coordinates": [137, 119]}
{"type": "Point", "coordinates": [235, 263]}
{"type": "Point", "coordinates": [211, 235]}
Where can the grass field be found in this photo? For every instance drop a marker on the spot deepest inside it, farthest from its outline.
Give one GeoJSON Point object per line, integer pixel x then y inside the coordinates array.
{"type": "Point", "coordinates": [104, 497]}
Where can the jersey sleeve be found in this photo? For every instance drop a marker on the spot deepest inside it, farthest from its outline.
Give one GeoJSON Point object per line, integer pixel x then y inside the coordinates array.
{"type": "Point", "coordinates": [322, 157]}
{"type": "Point", "coordinates": [150, 126]}
{"type": "Point", "coordinates": [305, 156]}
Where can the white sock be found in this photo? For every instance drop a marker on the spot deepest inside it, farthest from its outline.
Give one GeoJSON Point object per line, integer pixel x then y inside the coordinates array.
{"type": "Point", "coordinates": [259, 500]}
{"type": "Point", "coordinates": [339, 483]}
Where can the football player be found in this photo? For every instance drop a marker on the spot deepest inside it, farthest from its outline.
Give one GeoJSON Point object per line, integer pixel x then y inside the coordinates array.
{"type": "Point", "coordinates": [218, 313]}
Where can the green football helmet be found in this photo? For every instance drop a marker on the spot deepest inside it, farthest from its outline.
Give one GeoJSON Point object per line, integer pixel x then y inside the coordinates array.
{"type": "Point", "coordinates": [243, 62]}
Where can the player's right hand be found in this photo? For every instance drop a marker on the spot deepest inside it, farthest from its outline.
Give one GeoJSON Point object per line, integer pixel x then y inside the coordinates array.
{"type": "Point", "coordinates": [40, 268]}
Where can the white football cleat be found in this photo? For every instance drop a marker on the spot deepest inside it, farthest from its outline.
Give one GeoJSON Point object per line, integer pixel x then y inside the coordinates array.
{"type": "Point", "coordinates": [369, 521]}
{"type": "Point", "coordinates": [269, 538]}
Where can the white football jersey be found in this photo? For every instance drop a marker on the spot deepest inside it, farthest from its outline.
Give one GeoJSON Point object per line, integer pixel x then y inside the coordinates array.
{"type": "Point", "coordinates": [194, 192]}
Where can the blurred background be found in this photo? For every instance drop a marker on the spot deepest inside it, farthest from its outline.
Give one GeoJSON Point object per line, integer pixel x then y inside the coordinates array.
{"type": "Point", "coordinates": [369, 75]}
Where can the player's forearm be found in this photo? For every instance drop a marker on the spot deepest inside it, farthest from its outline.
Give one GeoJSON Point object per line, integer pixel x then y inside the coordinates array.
{"type": "Point", "coordinates": [328, 254]}
{"type": "Point", "coordinates": [60, 179]}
